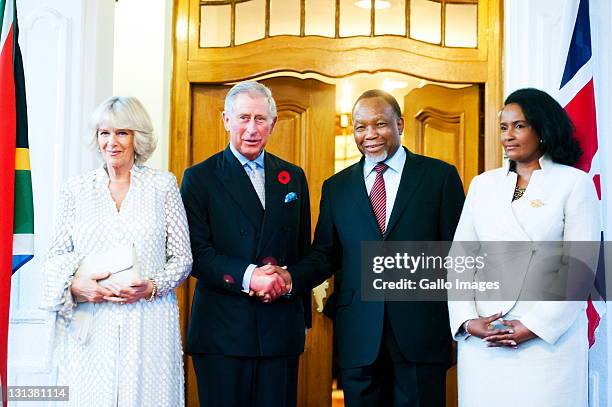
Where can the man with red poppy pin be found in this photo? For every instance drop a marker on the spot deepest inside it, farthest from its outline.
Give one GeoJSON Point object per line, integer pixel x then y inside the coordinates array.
{"type": "Point", "coordinates": [249, 218]}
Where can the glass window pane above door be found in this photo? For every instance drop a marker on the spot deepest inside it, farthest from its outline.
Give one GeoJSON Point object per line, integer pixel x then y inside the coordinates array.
{"type": "Point", "coordinates": [391, 19]}
{"type": "Point", "coordinates": [215, 26]}
{"type": "Point", "coordinates": [461, 25]}
{"type": "Point", "coordinates": [425, 21]}
{"type": "Point", "coordinates": [250, 21]}
{"type": "Point", "coordinates": [284, 17]}
{"type": "Point", "coordinates": [320, 18]}
{"type": "Point", "coordinates": [354, 19]}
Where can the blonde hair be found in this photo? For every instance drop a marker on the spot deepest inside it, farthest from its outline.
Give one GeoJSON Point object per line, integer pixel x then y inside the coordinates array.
{"type": "Point", "coordinates": [127, 113]}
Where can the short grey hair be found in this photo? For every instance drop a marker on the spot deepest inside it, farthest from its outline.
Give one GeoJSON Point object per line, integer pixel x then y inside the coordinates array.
{"type": "Point", "coordinates": [254, 89]}
{"type": "Point", "coordinates": [127, 113]}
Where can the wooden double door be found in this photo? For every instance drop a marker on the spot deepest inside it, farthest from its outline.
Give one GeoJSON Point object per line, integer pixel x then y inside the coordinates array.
{"type": "Point", "coordinates": [440, 122]}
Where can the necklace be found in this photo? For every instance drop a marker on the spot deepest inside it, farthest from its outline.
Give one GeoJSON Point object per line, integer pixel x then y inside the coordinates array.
{"type": "Point", "coordinates": [518, 193]}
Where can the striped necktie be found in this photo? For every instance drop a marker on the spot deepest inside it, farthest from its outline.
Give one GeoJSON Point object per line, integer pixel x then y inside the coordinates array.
{"type": "Point", "coordinates": [378, 197]}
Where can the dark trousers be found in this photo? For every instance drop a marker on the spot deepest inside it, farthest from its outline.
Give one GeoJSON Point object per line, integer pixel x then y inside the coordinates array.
{"type": "Point", "coordinates": [393, 381]}
{"type": "Point", "coordinates": [225, 381]}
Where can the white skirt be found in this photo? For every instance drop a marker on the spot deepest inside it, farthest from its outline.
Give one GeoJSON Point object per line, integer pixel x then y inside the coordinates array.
{"type": "Point", "coordinates": [536, 374]}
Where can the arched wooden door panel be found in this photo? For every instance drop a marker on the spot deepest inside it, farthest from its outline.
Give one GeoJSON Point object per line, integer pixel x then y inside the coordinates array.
{"type": "Point", "coordinates": [444, 123]}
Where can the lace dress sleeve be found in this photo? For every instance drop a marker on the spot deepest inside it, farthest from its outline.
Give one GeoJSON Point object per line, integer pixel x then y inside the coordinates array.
{"type": "Point", "coordinates": [178, 250]}
{"type": "Point", "coordinates": [62, 260]}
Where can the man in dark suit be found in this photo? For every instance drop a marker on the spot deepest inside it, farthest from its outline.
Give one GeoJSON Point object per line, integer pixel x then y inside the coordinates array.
{"type": "Point", "coordinates": [390, 353]}
{"type": "Point", "coordinates": [248, 214]}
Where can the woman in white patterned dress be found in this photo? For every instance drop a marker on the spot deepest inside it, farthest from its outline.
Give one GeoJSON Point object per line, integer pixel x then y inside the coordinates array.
{"type": "Point", "coordinates": [128, 353]}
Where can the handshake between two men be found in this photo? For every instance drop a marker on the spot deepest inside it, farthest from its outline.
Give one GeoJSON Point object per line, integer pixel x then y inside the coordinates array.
{"type": "Point", "coordinates": [269, 282]}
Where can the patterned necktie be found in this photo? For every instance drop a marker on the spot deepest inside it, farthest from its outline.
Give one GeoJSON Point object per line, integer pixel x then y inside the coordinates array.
{"type": "Point", "coordinates": [378, 197]}
{"type": "Point", "coordinates": [257, 177]}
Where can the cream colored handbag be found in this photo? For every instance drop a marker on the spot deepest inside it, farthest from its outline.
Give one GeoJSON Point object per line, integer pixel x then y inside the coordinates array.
{"type": "Point", "coordinates": [121, 262]}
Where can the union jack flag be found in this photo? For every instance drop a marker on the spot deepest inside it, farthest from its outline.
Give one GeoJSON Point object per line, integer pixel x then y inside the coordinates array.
{"type": "Point", "coordinates": [577, 95]}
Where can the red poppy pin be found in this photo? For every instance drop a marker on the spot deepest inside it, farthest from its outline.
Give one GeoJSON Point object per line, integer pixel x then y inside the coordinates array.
{"type": "Point", "coordinates": [284, 177]}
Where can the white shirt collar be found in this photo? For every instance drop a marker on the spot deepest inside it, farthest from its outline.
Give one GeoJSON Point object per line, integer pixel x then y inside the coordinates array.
{"type": "Point", "coordinates": [243, 160]}
{"type": "Point", "coordinates": [395, 162]}
{"type": "Point", "coordinates": [545, 163]}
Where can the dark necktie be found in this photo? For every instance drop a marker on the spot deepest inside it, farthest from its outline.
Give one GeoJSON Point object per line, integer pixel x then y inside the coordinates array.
{"type": "Point", "coordinates": [378, 197]}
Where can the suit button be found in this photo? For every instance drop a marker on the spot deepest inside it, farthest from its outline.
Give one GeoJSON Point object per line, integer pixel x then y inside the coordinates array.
{"type": "Point", "coordinates": [243, 232]}
{"type": "Point", "coordinates": [269, 260]}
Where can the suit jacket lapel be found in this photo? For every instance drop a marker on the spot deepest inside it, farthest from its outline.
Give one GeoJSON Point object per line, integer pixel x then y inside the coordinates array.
{"type": "Point", "coordinates": [411, 177]}
{"type": "Point", "coordinates": [361, 198]}
{"type": "Point", "coordinates": [237, 183]}
{"type": "Point", "coordinates": [275, 197]}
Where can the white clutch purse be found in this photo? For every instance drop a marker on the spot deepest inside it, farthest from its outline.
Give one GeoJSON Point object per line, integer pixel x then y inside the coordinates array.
{"type": "Point", "coordinates": [121, 262]}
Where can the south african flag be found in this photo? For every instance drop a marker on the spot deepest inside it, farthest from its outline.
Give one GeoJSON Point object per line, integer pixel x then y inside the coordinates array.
{"type": "Point", "coordinates": [16, 209]}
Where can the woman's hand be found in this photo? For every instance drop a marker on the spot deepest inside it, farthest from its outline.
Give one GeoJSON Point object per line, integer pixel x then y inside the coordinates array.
{"type": "Point", "coordinates": [136, 291]}
{"type": "Point", "coordinates": [87, 289]}
{"type": "Point", "coordinates": [483, 327]}
{"type": "Point", "coordinates": [518, 333]}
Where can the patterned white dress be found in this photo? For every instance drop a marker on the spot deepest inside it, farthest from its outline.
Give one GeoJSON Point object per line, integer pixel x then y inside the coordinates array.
{"type": "Point", "coordinates": [133, 354]}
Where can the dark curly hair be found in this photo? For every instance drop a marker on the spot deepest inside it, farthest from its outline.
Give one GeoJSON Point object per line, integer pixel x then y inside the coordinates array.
{"type": "Point", "coordinates": [551, 123]}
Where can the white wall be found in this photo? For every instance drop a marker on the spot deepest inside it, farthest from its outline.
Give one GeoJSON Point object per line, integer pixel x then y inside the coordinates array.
{"type": "Point", "coordinates": [69, 48]}
{"type": "Point", "coordinates": [536, 39]}
{"type": "Point", "coordinates": [143, 63]}
{"type": "Point", "coordinates": [67, 52]}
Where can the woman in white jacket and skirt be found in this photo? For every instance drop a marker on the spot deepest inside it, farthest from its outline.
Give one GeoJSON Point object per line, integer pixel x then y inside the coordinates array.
{"type": "Point", "coordinates": [522, 351]}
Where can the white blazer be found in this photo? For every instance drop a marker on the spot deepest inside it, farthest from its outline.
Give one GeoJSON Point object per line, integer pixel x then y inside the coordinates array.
{"type": "Point", "coordinates": [559, 204]}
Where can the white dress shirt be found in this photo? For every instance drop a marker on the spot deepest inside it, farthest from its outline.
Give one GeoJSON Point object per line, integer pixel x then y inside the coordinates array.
{"type": "Point", "coordinates": [392, 177]}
